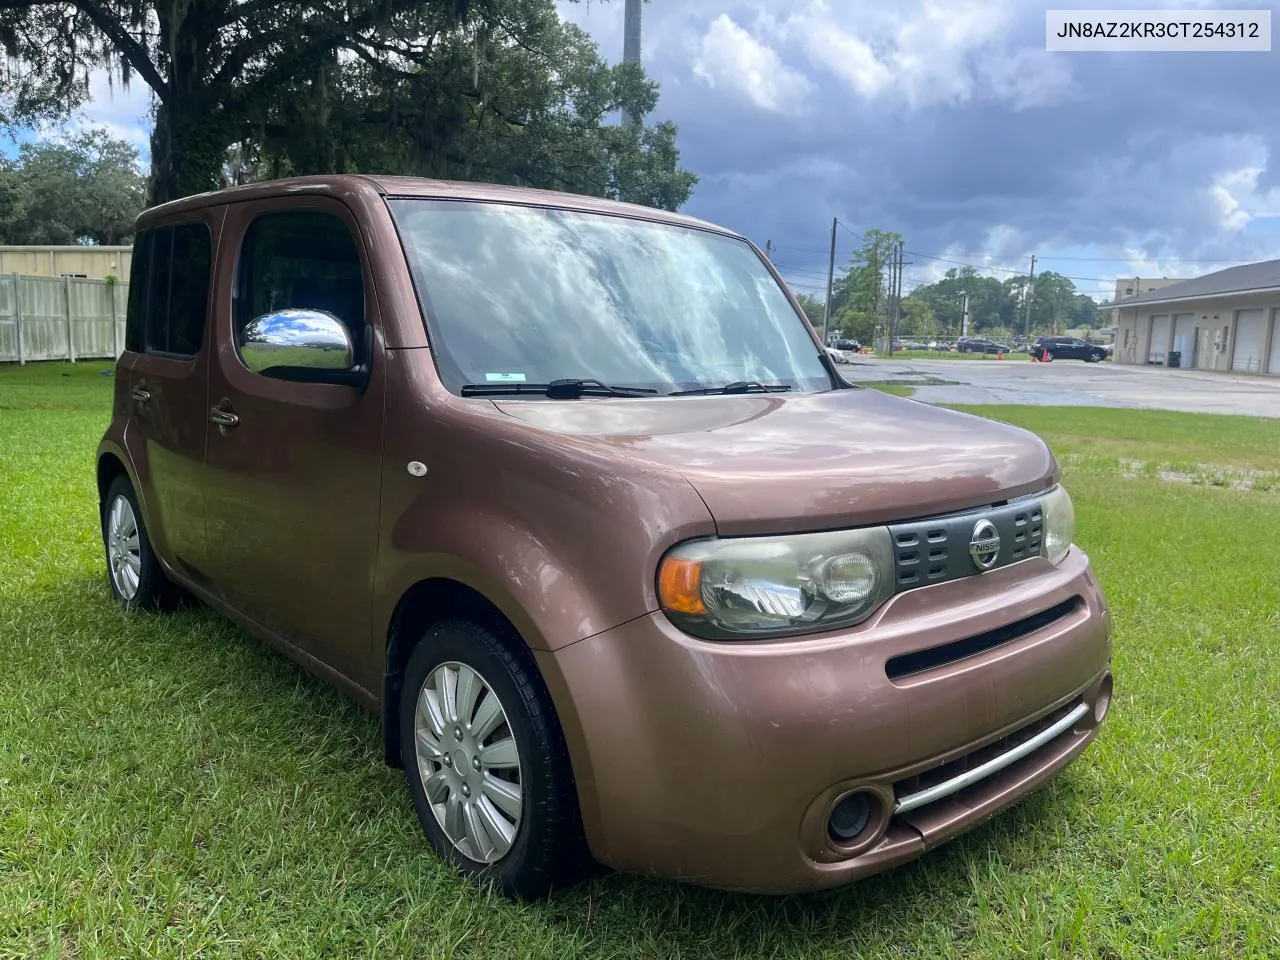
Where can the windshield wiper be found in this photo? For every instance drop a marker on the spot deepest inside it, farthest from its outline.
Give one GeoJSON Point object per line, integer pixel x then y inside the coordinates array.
{"type": "Point", "coordinates": [570, 389]}
{"type": "Point", "coordinates": [737, 386]}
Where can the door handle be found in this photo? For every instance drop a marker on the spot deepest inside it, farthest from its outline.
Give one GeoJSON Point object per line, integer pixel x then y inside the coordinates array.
{"type": "Point", "coordinates": [142, 396]}
{"type": "Point", "coordinates": [223, 418]}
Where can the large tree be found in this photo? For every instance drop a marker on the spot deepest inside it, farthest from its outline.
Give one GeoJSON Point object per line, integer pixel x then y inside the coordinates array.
{"type": "Point", "coordinates": [86, 188]}
{"type": "Point", "coordinates": [814, 309]}
{"type": "Point", "coordinates": [322, 86]}
{"type": "Point", "coordinates": [1001, 306]}
{"type": "Point", "coordinates": [860, 294]}
{"type": "Point", "coordinates": [990, 303]}
{"type": "Point", "coordinates": [527, 102]}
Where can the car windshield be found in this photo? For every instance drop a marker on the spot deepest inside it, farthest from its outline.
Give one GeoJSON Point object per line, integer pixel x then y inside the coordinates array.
{"type": "Point", "coordinates": [529, 295]}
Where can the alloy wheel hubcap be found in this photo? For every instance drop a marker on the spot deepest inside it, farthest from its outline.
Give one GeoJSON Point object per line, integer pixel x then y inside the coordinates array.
{"type": "Point", "coordinates": [124, 551]}
{"type": "Point", "coordinates": [469, 762]}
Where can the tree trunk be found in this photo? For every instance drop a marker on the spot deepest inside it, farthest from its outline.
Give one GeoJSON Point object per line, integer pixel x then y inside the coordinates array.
{"type": "Point", "coordinates": [188, 149]}
{"type": "Point", "coordinates": [191, 135]}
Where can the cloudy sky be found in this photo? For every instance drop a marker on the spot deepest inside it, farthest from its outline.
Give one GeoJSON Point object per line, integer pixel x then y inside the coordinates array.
{"type": "Point", "coordinates": [948, 121]}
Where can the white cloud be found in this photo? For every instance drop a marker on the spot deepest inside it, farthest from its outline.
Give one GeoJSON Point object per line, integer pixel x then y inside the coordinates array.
{"type": "Point", "coordinates": [1028, 78]}
{"type": "Point", "coordinates": [123, 112]}
{"type": "Point", "coordinates": [1239, 200]}
{"type": "Point", "coordinates": [729, 57]}
{"type": "Point", "coordinates": [928, 53]}
{"type": "Point", "coordinates": [848, 57]}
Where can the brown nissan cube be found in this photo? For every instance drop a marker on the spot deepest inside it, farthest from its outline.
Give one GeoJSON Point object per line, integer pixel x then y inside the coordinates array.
{"type": "Point", "coordinates": [570, 493]}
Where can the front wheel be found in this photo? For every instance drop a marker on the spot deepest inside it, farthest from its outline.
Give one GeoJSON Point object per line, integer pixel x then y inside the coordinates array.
{"type": "Point", "coordinates": [486, 762]}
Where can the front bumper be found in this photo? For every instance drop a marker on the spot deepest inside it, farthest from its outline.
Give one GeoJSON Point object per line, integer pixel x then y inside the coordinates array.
{"type": "Point", "coordinates": [719, 763]}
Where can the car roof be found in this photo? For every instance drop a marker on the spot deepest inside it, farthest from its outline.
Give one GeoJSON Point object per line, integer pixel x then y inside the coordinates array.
{"type": "Point", "coordinates": [339, 185]}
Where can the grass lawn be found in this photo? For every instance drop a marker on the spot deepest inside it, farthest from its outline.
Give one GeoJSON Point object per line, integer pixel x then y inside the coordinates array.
{"type": "Point", "coordinates": [897, 389]}
{"type": "Point", "coordinates": [168, 787]}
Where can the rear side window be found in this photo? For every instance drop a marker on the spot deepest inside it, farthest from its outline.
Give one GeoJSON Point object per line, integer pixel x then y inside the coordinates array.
{"type": "Point", "coordinates": [191, 262]}
{"type": "Point", "coordinates": [156, 323]}
{"type": "Point", "coordinates": [303, 259]}
{"type": "Point", "coordinates": [169, 290]}
{"type": "Point", "coordinates": [139, 279]}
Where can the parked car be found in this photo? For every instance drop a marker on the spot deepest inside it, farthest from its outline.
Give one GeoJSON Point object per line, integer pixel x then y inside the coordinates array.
{"type": "Point", "coordinates": [706, 614]}
{"type": "Point", "coordinates": [836, 355]}
{"type": "Point", "coordinates": [851, 345]}
{"type": "Point", "coordinates": [980, 345]}
{"type": "Point", "coordinates": [1067, 348]}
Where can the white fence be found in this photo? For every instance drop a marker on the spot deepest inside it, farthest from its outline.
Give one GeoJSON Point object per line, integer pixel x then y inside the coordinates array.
{"type": "Point", "coordinates": [60, 318]}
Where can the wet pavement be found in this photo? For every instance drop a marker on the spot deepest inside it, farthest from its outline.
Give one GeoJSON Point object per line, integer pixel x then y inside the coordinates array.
{"type": "Point", "coordinates": [1073, 383]}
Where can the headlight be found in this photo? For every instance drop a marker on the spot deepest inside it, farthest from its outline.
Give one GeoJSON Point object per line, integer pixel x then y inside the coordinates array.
{"type": "Point", "coordinates": [776, 586]}
{"type": "Point", "coordinates": [1059, 524]}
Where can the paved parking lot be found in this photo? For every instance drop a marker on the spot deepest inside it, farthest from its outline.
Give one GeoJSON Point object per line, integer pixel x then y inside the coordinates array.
{"type": "Point", "coordinates": [1016, 379]}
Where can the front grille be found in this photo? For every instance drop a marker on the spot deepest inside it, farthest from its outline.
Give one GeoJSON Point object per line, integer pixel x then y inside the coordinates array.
{"type": "Point", "coordinates": [935, 551]}
{"type": "Point", "coordinates": [955, 768]}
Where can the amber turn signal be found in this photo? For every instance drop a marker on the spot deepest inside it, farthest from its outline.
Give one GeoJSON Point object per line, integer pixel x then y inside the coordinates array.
{"type": "Point", "coordinates": [680, 586]}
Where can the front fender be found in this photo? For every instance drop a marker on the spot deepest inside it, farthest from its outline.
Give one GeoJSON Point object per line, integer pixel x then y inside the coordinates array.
{"type": "Point", "coordinates": [542, 560]}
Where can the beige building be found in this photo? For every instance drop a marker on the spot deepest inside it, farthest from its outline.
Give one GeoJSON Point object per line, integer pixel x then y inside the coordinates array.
{"type": "Point", "coordinates": [95, 263]}
{"type": "Point", "coordinates": [1227, 321]}
{"type": "Point", "coordinates": [1134, 287]}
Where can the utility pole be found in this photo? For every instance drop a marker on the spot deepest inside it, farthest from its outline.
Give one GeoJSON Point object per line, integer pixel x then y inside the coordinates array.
{"type": "Point", "coordinates": [897, 293]}
{"type": "Point", "coordinates": [888, 300]}
{"type": "Point", "coordinates": [875, 294]}
{"type": "Point", "coordinates": [1031, 292]}
{"type": "Point", "coordinates": [631, 48]}
{"type": "Point", "coordinates": [831, 276]}
{"type": "Point", "coordinates": [964, 316]}
{"type": "Point", "coordinates": [893, 300]}
{"type": "Point", "coordinates": [768, 250]}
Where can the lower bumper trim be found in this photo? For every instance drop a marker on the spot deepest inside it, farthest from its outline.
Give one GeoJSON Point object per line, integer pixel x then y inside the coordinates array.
{"type": "Point", "coordinates": [994, 765]}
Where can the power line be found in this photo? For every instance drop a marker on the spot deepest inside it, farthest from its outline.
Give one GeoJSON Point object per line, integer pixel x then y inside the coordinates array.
{"type": "Point", "coordinates": [800, 249]}
{"type": "Point", "coordinates": [1114, 259]}
{"type": "Point", "coordinates": [1013, 270]}
{"type": "Point", "coordinates": [1122, 259]}
{"type": "Point", "coordinates": [815, 274]}
{"type": "Point", "coordinates": [857, 236]}
{"type": "Point", "coordinates": [803, 274]}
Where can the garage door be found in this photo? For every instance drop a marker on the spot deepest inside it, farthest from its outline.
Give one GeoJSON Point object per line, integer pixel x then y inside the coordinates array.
{"type": "Point", "coordinates": [1273, 366]}
{"type": "Point", "coordinates": [1184, 339]}
{"type": "Point", "coordinates": [1159, 342]}
{"type": "Point", "coordinates": [1251, 339]}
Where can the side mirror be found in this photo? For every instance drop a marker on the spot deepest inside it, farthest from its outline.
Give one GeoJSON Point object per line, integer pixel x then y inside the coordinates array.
{"type": "Point", "coordinates": [309, 346]}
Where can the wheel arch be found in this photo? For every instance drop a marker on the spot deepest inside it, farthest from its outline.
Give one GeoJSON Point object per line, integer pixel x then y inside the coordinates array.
{"type": "Point", "coordinates": [111, 466]}
{"type": "Point", "coordinates": [426, 602]}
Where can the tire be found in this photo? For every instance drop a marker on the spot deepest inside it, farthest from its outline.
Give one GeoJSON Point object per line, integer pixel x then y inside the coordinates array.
{"type": "Point", "coordinates": [545, 848]}
{"type": "Point", "coordinates": [1094, 358]}
{"type": "Point", "coordinates": [1048, 357]}
{"type": "Point", "coordinates": [135, 576]}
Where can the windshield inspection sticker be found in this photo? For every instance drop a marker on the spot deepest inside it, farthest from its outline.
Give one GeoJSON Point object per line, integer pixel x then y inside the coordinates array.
{"type": "Point", "coordinates": [504, 377]}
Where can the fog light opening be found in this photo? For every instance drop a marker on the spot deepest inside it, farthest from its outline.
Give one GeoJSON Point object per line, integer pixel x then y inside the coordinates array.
{"type": "Point", "coordinates": [854, 818]}
{"type": "Point", "coordinates": [1102, 703]}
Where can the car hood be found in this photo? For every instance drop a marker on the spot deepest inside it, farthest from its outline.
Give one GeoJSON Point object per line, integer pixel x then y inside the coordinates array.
{"type": "Point", "coordinates": [773, 463]}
